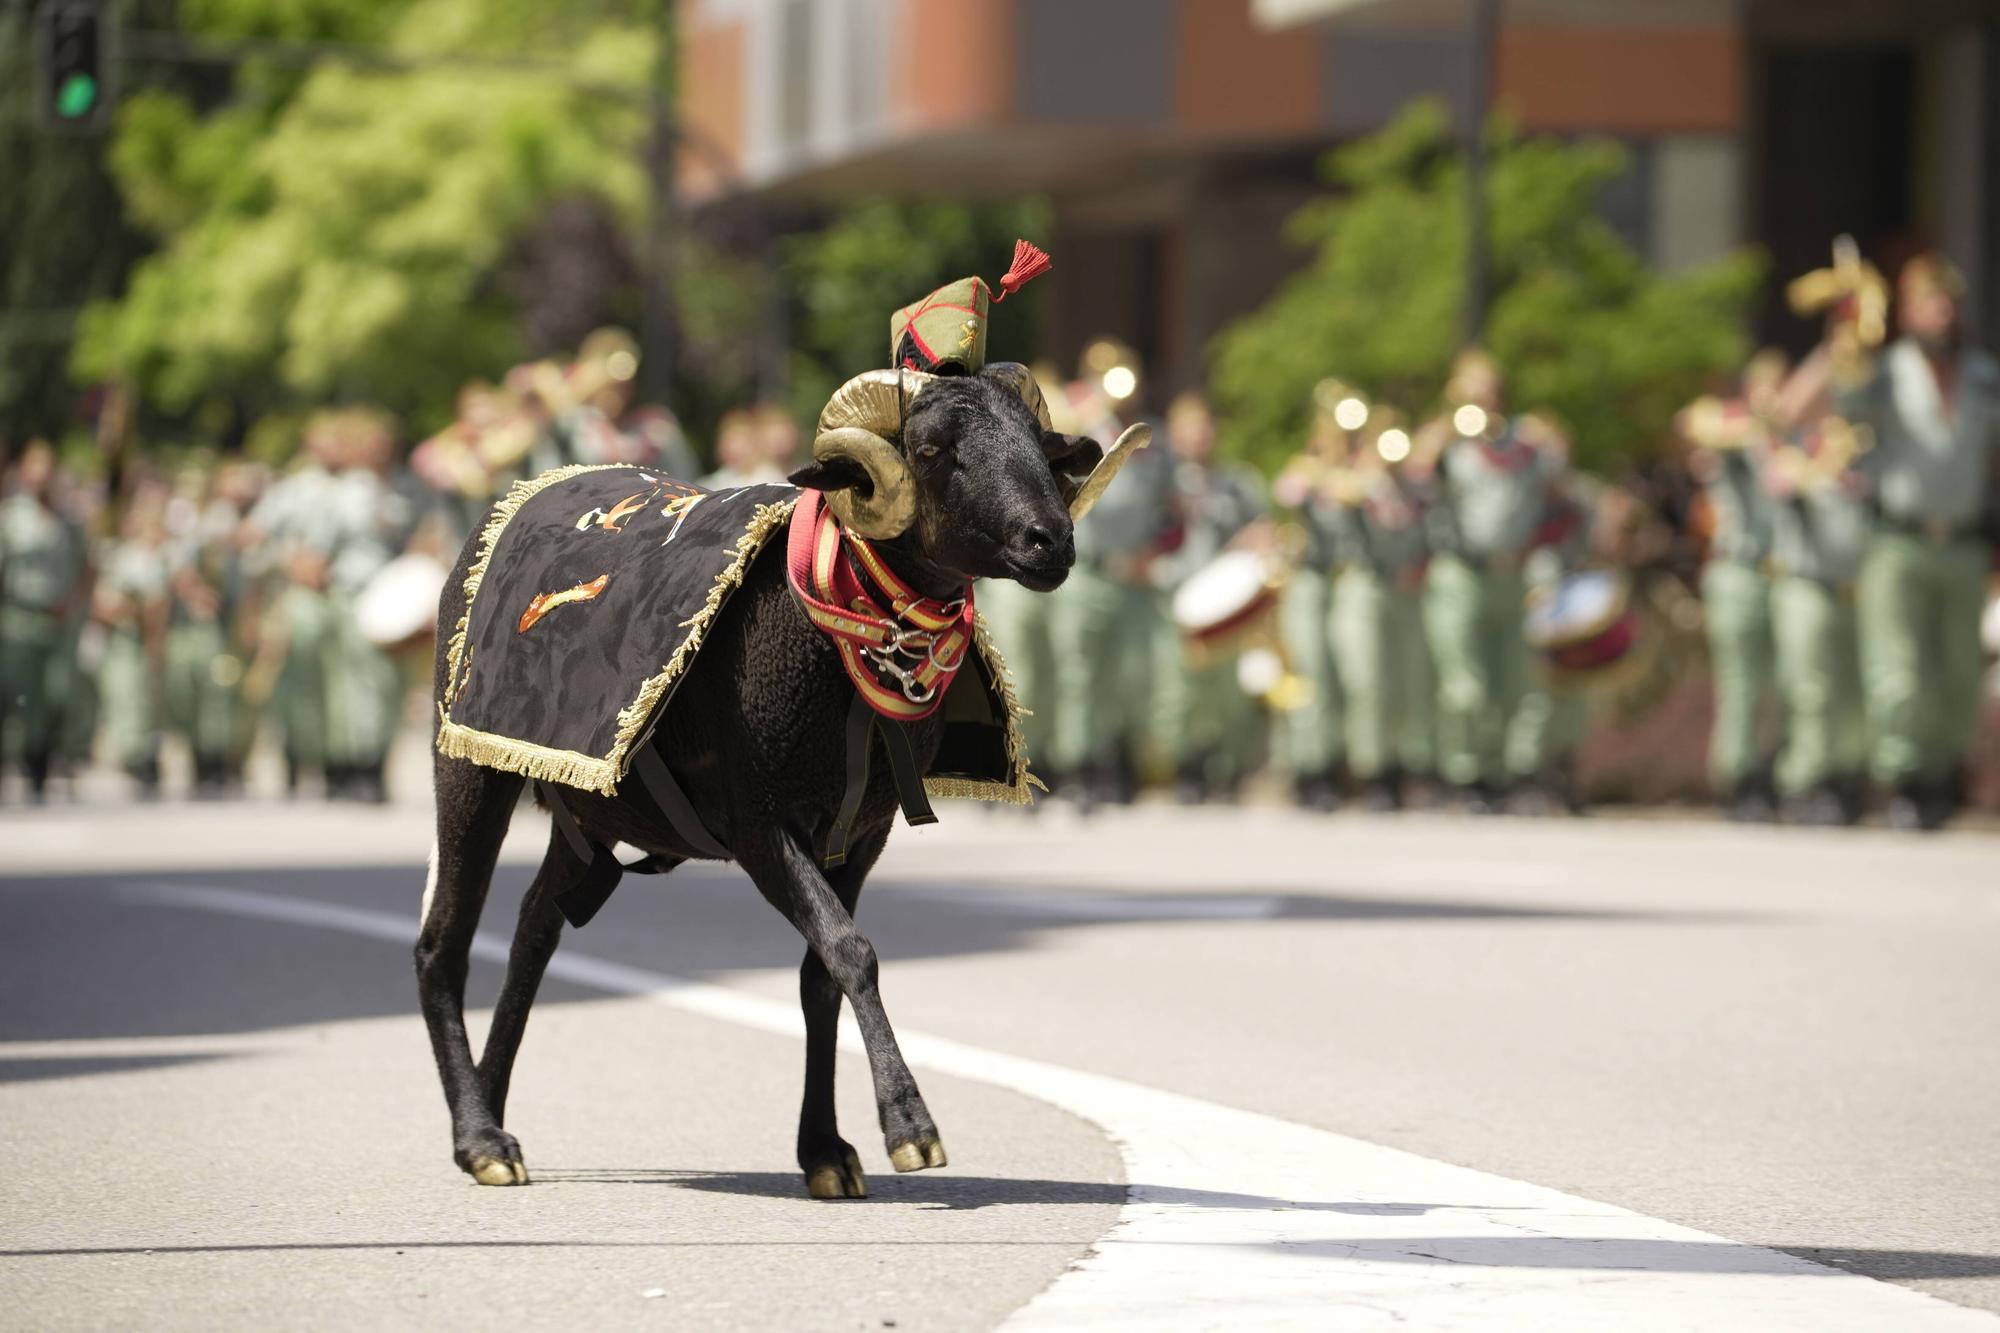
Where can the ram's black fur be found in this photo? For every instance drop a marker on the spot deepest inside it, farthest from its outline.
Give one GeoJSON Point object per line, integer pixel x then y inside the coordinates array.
{"type": "Point", "coordinates": [755, 736]}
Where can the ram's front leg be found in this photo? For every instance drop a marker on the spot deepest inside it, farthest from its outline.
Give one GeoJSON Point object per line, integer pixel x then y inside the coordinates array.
{"type": "Point", "coordinates": [787, 875]}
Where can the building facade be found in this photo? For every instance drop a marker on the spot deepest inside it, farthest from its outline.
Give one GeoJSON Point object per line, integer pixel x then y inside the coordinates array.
{"type": "Point", "coordinates": [1175, 136]}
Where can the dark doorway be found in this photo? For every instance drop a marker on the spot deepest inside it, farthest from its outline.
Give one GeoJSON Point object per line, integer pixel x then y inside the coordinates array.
{"type": "Point", "coordinates": [1835, 126]}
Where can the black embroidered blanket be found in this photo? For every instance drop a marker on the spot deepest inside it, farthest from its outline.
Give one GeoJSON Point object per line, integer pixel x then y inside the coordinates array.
{"type": "Point", "coordinates": [589, 598]}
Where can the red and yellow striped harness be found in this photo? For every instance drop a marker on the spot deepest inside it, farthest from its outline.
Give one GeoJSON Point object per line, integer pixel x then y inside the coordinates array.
{"type": "Point", "coordinates": [902, 660]}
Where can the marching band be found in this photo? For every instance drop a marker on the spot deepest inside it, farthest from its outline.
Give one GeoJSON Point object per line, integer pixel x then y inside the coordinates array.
{"type": "Point", "coordinates": [1411, 612]}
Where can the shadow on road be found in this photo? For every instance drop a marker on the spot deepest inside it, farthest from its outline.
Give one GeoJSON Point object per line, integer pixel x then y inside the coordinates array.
{"type": "Point", "coordinates": [30, 1068]}
{"type": "Point", "coordinates": [962, 1192]}
{"type": "Point", "coordinates": [1543, 1252]}
{"type": "Point", "coordinates": [181, 972]}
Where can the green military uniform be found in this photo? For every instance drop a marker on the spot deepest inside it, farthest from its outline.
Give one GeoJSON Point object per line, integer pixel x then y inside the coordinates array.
{"type": "Point", "coordinates": [1818, 536]}
{"type": "Point", "coordinates": [298, 515]}
{"type": "Point", "coordinates": [1378, 638]}
{"type": "Point", "coordinates": [1202, 718]}
{"type": "Point", "coordinates": [1923, 574]}
{"type": "Point", "coordinates": [1550, 721]}
{"type": "Point", "coordinates": [132, 581]}
{"type": "Point", "coordinates": [41, 570]}
{"type": "Point", "coordinates": [1490, 500]}
{"type": "Point", "coordinates": [1736, 608]}
{"type": "Point", "coordinates": [1105, 625]}
{"type": "Point", "coordinates": [1313, 735]}
{"type": "Point", "coordinates": [365, 688]}
{"type": "Point", "coordinates": [205, 663]}
{"type": "Point", "coordinates": [1021, 623]}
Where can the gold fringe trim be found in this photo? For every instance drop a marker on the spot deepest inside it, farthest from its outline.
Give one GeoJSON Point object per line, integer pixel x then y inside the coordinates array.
{"type": "Point", "coordinates": [1018, 789]}
{"type": "Point", "coordinates": [633, 717]}
{"type": "Point", "coordinates": [535, 761]}
{"type": "Point", "coordinates": [489, 537]}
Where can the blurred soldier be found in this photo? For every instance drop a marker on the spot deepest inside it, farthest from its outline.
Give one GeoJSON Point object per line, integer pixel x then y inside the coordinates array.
{"type": "Point", "coordinates": [1931, 404]}
{"type": "Point", "coordinates": [739, 454]}
{"type": "Point", "coordinates": [1819, 528]}
{"type": "Point", "coordinates": [205, 650]}
{"type": "Point", "coordinates": [1378, 637]}
{"type": "Point", "coordinates": [131, 601]}
{"type": "Point", "coordinates": [1108, 615]}
{"type": "Point", "coordinates": [777, 440]}
{"type": "Point", "coordinates": [595, 419]}
{"type": "Point", "coordinates": [1735, 583]}
{"type": "Point", "coordinates": [374, 515]}
{"type": "Point", "coordinates": [1310, 486]}
{"type": "Point", "coordinates": [1549, 723]}
{"type": "Point", "coordinates": [1492, 483]}
{"type": "Point", "coordinates": [42, 572]}
{"type": "Point", "coordinates": [1202, 717]}
{"type": "Point", "coordinates": [289, 543]}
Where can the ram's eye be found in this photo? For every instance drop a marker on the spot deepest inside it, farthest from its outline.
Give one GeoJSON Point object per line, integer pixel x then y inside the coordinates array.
{"type": "Point", "coordinates": [929, 450]}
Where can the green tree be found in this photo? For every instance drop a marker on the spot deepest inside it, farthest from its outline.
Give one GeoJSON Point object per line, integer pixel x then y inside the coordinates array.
{"type": "Point", "coordinates": [348, 231]}
{"type": "Point", "coordinates": [875, 256]}
{"type": "Point", "coordinates": [1583, 327]}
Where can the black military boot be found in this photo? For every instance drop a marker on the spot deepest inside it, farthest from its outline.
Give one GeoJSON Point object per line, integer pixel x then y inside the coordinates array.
{"type": "Point", "coordinates": [1820, 807]}
{"type": "Point", "coordinates": [1750, 802]}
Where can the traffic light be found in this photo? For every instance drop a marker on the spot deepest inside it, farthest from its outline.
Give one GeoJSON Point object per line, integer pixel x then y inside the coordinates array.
{"type": "Point", "coordinates": [76, 64]}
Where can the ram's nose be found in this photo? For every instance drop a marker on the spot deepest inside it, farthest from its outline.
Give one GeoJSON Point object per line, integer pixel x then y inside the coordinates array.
{"type": "Point", "coordinates": [1041, 554]}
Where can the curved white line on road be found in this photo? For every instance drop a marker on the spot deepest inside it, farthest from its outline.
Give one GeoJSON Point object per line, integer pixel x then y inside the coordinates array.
{"type": "Point", "coordinates": [1240, 1220]}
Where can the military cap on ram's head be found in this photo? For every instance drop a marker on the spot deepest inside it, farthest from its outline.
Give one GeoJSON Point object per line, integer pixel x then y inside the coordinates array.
{"type": "Point", "coordinates": [945, 333]}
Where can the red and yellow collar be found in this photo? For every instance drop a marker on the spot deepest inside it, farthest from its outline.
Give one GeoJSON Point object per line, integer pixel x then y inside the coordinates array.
{"type": "Point", "coordinates": [903, 659]}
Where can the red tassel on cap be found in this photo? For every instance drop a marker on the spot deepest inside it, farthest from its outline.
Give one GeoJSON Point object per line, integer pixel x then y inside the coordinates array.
{"type": "Point", "coordinates": [1029, 262]}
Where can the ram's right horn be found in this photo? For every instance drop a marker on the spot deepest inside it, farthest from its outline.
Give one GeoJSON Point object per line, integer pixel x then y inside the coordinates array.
{"type": "Point", "coordinates": [1134, 439]}
{"type": "Point", "coordinates": [858, 423]}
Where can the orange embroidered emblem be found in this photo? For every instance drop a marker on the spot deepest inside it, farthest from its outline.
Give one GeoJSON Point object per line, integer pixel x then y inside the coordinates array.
{"type": "Point", "coordinates": [546, 602]}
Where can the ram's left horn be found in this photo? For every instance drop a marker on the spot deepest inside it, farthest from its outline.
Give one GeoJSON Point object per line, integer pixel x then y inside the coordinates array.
{"type": "Point", "coordinates": [1022, 381]}
{"type": "Point", "coordinates": [1134, 439]}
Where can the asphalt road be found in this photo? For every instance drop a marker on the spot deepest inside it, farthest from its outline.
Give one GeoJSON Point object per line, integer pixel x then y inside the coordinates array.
{"type": "Point", "coordinates": [217, 1109]}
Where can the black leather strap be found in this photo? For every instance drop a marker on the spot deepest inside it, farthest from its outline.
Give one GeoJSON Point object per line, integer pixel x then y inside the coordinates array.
{"type": "Point", "coordinates": [601, 870]}
{"type": "Point", "coordinates": [903, 765]}
{"type": "Point", "coordinates": [674, 803]}
{"type": "Point", "coordinates": [860, 740]}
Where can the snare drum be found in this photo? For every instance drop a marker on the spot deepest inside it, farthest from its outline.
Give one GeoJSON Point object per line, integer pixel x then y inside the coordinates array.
{"type": "Point", "coordinates": [397, 608]}
{"type": "Point", "coordinates": [1585, 623]}
{"type": "Point", "coordinates": [1225, 602]}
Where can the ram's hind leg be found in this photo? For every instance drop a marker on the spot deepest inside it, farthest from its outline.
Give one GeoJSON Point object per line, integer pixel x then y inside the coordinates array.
{"type": "Point", "coordinates": [474, 806]}
{"type": "Point", "coordinates": [831, 1166]}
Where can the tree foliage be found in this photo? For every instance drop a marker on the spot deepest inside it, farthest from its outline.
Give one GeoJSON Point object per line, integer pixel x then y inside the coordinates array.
{"type": "Point", "coordinates": [1583, 327]}
{"type": "Point", "coordinates": [345, 231]}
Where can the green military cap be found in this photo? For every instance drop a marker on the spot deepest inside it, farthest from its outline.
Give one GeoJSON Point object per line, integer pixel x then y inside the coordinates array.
{"type": "Point", "coordinates": [946, 331]}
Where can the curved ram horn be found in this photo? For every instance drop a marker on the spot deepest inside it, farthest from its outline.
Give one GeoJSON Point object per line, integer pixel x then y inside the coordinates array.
{"type": "Point", "coordinates": [1134, 438]}
{"type": "Point", "coordinates": [1022, 381]}
{"type": "Point", "coordinates": [857, 423]}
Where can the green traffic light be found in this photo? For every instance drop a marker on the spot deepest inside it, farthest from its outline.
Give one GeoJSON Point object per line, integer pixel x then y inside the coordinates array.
{"type": "Point", "coordinates": [76, 97]}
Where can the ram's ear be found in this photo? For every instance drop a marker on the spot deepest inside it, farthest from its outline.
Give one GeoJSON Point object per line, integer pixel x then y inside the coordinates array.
{"type": "Point", "coordinates": [1072, 458]}
{"type": "Point", "coordinates": [833, 474]}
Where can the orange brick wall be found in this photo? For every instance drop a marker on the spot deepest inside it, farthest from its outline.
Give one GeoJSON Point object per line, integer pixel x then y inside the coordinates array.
{"type": "Point", "coordinates": [954, 62]}
{"type": "Point", "coordinates": [712, 72]}
{"type": "Point", "coordinates": [1232, 75]}
{"type": "Point", "coordinates": [1622, 80]}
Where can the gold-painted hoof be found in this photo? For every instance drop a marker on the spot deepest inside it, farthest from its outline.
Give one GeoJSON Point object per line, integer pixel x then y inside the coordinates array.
{"type": "Point", "coordinates": [494, 1171]}
{"type": "Point", "coordinates": [915, 1157]}
{"type": "Point", "coordinates": [833, 1182]}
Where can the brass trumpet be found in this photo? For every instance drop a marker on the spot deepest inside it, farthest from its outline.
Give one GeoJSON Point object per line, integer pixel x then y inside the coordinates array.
{"type": "Point", "coordinates": [1857, 296]}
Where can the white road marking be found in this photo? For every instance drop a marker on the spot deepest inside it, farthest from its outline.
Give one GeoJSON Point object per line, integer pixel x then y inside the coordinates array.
{"type": "Point", "coordinates": [1240, 1220]}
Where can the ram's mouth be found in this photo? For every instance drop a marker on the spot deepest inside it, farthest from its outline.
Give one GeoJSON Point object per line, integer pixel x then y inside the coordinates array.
{"type": "Point", "coordinates": [1038, 576]}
